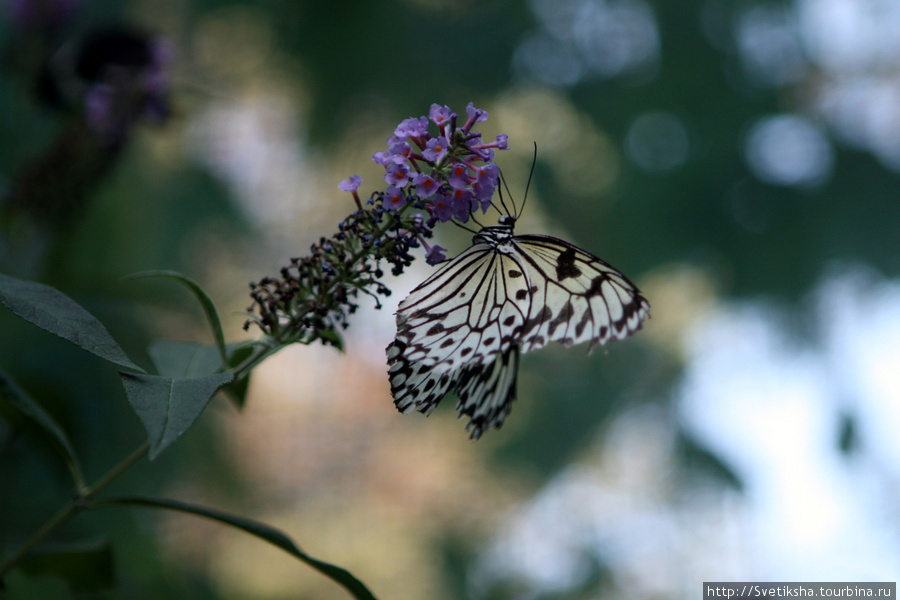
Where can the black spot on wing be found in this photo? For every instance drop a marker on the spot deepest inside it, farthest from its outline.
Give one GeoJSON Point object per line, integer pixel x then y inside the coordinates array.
{"type": "Point", "coordinates": [537, 320]}
{"type": "Point", "coordinates": [585, 319]}
{"type": "Point", "coordinates": [565, 265]}
{"type": "Point", "coordinates": [565, 313]}
{"type": "Point", "coordinates": [594, 289]}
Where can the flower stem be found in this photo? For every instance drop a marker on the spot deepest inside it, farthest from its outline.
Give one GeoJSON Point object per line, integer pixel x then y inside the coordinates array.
{"type": "Point", "coordinates": [78, 503]}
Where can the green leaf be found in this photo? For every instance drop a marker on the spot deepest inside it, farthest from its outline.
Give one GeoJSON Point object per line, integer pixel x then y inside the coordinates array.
{"type": "Point", "coordinates": [189, 359]}
{"type": "Point", "coordinates": [168, 407]}
{"type": "Point", "coordinates": [55, 312]}
{"type": "Point", "coordinates": [255, 528]}
{"type": "Point", "coordinates": [181, 360]}
{"type": "Point", "coordinates": [86, 566]}
{"type": "Point", "coordinates": [26, 405]}
{"type": "Point", "coordinates": [205, 301]}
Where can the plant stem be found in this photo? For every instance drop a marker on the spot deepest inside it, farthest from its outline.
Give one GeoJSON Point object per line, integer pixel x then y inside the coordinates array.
{"type": "Point", "coordinates": [114, 473]}
{"type": "Point", "coordinates": [46, 529]}
{"type": "Point", "coordinates": [73, 507]}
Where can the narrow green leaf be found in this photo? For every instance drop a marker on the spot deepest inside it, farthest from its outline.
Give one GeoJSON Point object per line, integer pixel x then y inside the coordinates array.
{"type": "Point", "coordinates": [261, 530]}
{"type": "Point", "coordinates": [85, 566]}
{"type": "Point", "coordinates": [205, 301]}
{"type": "Point", "coordinates": [25, 404]}
{"type": "Point", "coordinates": [168, 407]}
{"type": "Point", "coordinates": [55, 312]}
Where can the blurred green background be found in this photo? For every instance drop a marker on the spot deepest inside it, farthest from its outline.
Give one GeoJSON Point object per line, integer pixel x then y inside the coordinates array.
{"type": "Point", "coordinates": [737, 159]}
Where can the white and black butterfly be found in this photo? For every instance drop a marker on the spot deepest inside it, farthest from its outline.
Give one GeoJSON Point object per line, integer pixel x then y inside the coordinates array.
{"type": "Point", "coordinates": [463, 328]}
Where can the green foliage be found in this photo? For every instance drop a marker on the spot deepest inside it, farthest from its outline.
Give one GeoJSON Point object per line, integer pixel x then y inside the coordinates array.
{"type": "Point", "coordinates": [254, 528]}
{"type": "Point", "coordinates": [167, 404]}
{"type": "Point", "coordinates": [168, 407]}
{"type": "Point", "coordinates": [11, 393]}
{"type": "Point", "coordinates": [55, 312]}
{"type": "Point", "coordinates": [206, 303]}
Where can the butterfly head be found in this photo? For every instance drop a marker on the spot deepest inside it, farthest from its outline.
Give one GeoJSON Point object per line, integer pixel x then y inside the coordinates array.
{"type": "Point", "coordinates": [496, 235]}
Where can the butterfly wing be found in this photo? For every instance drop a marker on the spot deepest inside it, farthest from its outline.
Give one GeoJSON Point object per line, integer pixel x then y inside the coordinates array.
{"type": "Point", "coordinates": [460, 318]}
{"type": "Point", "coordinates": [486, 391]}
{"type": "Point", "coordinates": [576, 297]}
{"type": "Point", "coordinates": [463, 328]}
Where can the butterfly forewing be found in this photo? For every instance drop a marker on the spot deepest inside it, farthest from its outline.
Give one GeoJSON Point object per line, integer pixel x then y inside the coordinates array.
{"type": "Point", "coordinates": [580, 298]}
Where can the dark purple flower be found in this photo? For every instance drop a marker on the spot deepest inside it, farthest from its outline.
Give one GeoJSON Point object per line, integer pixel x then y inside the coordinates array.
{"type": "Point", "coordinates": [459, 176]}
{"type": "Point", "coordinates": [399, 151]}
{"type": "Point", "coordinates": [440, 115]}
{"type": "Point", "coordinates": [351, 184]}
{"type": "Point", "coordinates": [476, 115]}
{"type": "Point", "coordinates": [461, 202]}
{"type": "Point", "coordinates": [436, 149]}
{"type": "Point", "coordinates": [436, 254]}
{"type": "Point", "coordinates": [382, 157]}
{"type": "Point", "coordinates": [499, 143]}
{"type": "Point", "coordinates": [442, 207]}
{"type": "Point", "coordinates": [426, 185]}
{"type": "Point", "coordinates": [396, 175]}
{"type": "Point", "coordinates": [484, 184]}
{"type": "Point", "coordinates": [393, 198]}
{"type": "Point", "coordinates": [412, 127]}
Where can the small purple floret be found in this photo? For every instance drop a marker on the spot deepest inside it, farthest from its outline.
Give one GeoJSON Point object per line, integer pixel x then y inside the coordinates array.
{"type": "Point", "coordinates": [426, 185]}
{"type": "Point", "coordinates": [436, 149]}
{"type": "Point", "coordinates": [436, 254]}
{"type": "Point", "coordinates": [412, 127]}
{"type": "Point", "coordinates": [396, 174]}
{"type": "Point", "coordinates": [440, 115]}
{"type": "Point", "coordinates": [459, 177]}
{"type": "Point", "coordinates": [393, 198]}
{"type": "Point", "coordinates": [351, 184]}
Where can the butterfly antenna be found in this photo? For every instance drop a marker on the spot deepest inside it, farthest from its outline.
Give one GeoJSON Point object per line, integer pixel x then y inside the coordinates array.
{"type": "Point", "coordinates": [530, 176]}
{"type": "Point", "coordinates": [503, 185]}
{"type": "Point", "coordinates": [502, 203]}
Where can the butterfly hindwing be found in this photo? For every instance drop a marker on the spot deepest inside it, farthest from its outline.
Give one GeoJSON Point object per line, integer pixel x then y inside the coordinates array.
{"type": "Point", "coordinates": [486, 391]}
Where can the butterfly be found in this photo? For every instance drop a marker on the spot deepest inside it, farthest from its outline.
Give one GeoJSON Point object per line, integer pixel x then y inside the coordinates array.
{"type": "Point", "coordinates": [463, 328]}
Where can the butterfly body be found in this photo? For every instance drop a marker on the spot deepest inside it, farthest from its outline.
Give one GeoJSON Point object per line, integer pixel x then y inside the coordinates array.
{"type": "Point", "coordinates": [463, 328]}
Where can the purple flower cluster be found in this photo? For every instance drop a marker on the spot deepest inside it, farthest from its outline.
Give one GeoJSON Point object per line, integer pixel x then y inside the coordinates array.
{"type": "Point", "coordinates": [445, 175]}
{"type": "Point", "coordinates": [451, 174]}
